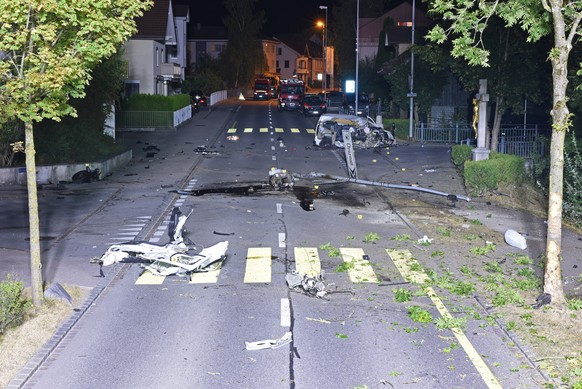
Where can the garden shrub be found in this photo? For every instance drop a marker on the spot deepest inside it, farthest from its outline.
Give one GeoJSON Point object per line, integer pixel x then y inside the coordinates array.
{"type": "Point", "coordinates": [461, 154]}
{"type": "Point", "coordinates": [500, 170]}
{"type": "Point", "coordinates": [144, 102]}
{"type": "Point", "coordinates": [13, 305]}
{"type": "Point", "coordinates": [401, 126]}
{"type": "Point", "coordinates": [573, 183]}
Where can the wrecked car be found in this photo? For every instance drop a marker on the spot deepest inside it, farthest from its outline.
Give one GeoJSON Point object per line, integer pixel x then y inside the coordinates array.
{"type": "Point", "coordinates": [175, 257]}
{"type": "Point", "coordinates": [365, 132]}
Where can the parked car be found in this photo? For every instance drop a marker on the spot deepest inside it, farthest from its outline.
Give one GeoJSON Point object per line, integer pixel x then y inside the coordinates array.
{"type": "Point", "coordinates": [312, 104]}
{"type": "Point", "coordinates": [334, 100]}
{"type": "Point", "coordinates": [349, 105]}
{"type": "Point", "coordinates": [199, 97]}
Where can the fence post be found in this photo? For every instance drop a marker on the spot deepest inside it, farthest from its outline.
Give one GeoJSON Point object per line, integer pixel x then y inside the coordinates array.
{"type": "Point", "coordinates": [421, 132]}
{"type": "Point", "coordinates": [457, 133]}
{"type": "Point", "coordinates": [502, 145]}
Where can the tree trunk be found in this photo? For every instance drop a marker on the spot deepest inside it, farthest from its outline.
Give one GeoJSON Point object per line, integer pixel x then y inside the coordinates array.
{"type": "Point", "coordinates": [496, 123]}
{"type": "Point", "coordinates": [33, 220]}
{"type": "Point", "coordinates": [560, 123]}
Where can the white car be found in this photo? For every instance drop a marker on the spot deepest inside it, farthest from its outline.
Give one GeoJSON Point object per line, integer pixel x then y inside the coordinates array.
{"type": "Point", "coordinates": [366, 133]}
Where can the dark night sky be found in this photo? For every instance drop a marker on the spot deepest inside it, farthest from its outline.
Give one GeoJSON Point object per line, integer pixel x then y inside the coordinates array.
{"type": "Point", "coordinates": [280, 17]}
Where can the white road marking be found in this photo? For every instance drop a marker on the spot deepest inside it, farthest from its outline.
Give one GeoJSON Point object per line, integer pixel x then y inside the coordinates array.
{"type": "Point", "coordinates": [285, 313]}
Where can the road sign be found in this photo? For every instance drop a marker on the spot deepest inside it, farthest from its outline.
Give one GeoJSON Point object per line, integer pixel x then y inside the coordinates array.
{"type": "Point", "coordinates": [350, 157]}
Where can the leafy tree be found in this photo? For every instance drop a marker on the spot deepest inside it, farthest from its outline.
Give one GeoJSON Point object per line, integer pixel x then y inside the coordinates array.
{"type": "Point", "coordinates": [10, 142]}
{"type": "Point", "coordinates": [429, 81]}
{"type": "Point", "coordinates": [206, 76]}
{"type": "Point", "coordinates": [343, 30]}
{"type": "Point", "coordinates": [243, 54]}
{"type": "Point", "coordinates": [385, 52]}
{"type": "Point", "coordinates": [516, 71]}
{"type": "Point", "coordinates": [561, 19]}
{"type": "Point", "coordinates": [63, 142]}
{"type": "Point", "coordinates": [48, 49]}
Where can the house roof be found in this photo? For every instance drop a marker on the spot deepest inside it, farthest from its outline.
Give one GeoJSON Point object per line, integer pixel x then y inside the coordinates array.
{"type": "Point", "coordinates": [198, 31]}
{"type": "Point", "coordinates": [153, 23]}
{"type": "Point", "coordinates": [297, 41]}
{"type": "Point", "coordinates": [371, 27]}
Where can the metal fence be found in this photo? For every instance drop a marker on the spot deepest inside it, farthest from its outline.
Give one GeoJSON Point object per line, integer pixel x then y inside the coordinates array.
{"type": "Point", "coordinates": [457, 134]}
{"type": "Point", "coordinates": [523, 142]}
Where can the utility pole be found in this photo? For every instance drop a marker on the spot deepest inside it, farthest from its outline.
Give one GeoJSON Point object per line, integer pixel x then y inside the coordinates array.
{"type": "Point", "coordinates": [324, 53]}
{"type": "Point", "coordinates": [412, 95]}
{"type": "Point", "coordinates": [357, 51]}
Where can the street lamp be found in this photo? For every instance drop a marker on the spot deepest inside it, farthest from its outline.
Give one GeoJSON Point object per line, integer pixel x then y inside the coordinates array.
{"type": "Point", "coordinates": [324, 52]}
{"type": "Point", "coordinates": [412, 95]}
{"type": "Point", "coordinates": [357, 53]}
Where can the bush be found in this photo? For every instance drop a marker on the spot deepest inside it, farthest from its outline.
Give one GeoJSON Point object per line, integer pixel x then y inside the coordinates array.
{"type": "Point", "coordinates": [573, 183]}
{"type": "Point", "coordinates": [500, 170]}
{"type": "Point", "coordinates": [12, 304]}
{"type": "Point", "coordinates": [143, 102]}
{"type": "Point", "coordinates": [461, 154]}
{"type": "Point", "coordinates": [401, 126]}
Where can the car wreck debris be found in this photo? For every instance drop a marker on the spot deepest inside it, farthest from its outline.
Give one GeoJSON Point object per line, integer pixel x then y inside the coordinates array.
{"type": "Point", "coordinates": [171, 258]}
{"type": "Point", "coordinates": [313, 286]}
{"type": "Point", "coordinates": [270, 343]}
{"type": "Point", "coordinates": [365, 132]}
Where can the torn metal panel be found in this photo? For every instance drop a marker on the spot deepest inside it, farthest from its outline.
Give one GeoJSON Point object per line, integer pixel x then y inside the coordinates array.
{"type": "Point", "coordinates": [313, 286]}
{"type": "Point", "coordinates": [270, 343]}
{"type": "Point", "coordinates": [171, 258]}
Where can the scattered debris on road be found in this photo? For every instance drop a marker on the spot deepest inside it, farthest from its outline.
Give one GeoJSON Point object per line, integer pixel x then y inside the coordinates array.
{"type": "Point", "coordinates": [270, 343]}
{"type": "Point", "coordinates": [313, 286]}
{"type": "Point", "coordinates": [515, 239]}
{"type": "Point", "coordinates": [171, 258]}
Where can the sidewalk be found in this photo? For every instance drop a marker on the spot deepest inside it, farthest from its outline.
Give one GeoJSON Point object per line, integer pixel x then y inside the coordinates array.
{"type": "Point", "coordinates": [430, 166]}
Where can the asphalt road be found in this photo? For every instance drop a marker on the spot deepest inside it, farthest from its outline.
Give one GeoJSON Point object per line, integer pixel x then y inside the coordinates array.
{"type": "Point", "coordinates": [139, 331]}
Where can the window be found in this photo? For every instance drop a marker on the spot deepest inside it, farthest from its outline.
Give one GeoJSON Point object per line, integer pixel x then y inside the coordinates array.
{"type": "Point", "coordinates": [131, 87]}
{"type": "Point", "coordinates": [286, 64]}
{"type": "Point", "coordinates": [279, 51]}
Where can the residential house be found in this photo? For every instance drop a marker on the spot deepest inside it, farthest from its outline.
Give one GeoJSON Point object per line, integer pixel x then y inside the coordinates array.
{"type": "Point", "coordinates": [452, 104]}
{"type": "Point", "coordinates": [286, 65]}
{"type": "Point", "coordinates": [156, 55]}
{"type": "Point", "coordinates": [205, 40]}
{"type": "Point", "coordinates": [398, 34]}
{"type": "Point", "coordinates": [302, 57]}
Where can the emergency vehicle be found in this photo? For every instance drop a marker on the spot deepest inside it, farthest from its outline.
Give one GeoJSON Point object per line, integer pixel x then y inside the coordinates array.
{"type": "Point", "coordinates": [290, 94]}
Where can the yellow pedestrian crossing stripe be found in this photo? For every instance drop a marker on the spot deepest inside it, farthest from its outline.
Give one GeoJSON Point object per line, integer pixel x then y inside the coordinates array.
{"type": "Point", "coordinates": [279, 130]}
{"type": "Point", "coordinates": [147, 278]}
{"type": "Point", "coordinates": [209, 277]}
{"type": "Point", "coordinates": [307, 261]}
{"type": "Point", "coordinates": [359, 269]}
{"type": "Point", "coordinates": [258, 266]}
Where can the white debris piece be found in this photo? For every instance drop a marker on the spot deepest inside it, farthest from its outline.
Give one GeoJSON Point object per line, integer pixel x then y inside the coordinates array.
{"type": "Point", "coordinates": [515, 239]}
{"type": "Point", "coordinates": [425, 240]}
{"type": "Point", "coordinates": [270, 343]}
